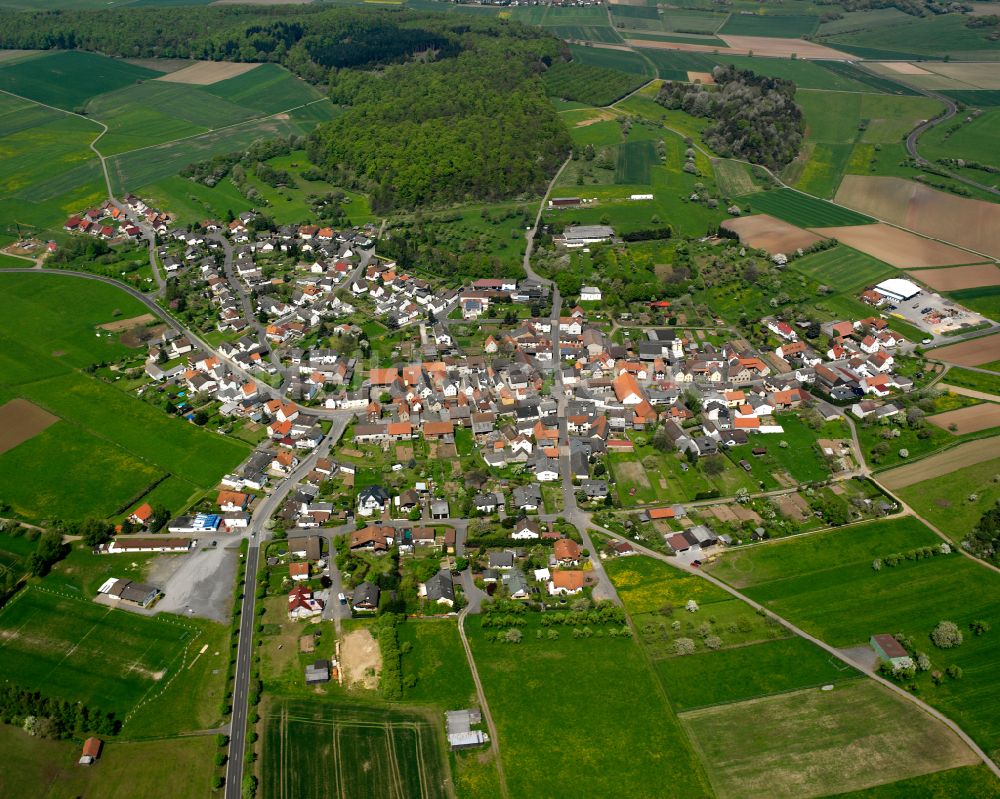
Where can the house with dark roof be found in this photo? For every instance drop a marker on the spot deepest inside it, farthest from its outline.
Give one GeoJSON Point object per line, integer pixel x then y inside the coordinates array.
{"type": "Point", "coordinates": [365, 598]}
{"type": "Point", "coordinates": [439, 589]}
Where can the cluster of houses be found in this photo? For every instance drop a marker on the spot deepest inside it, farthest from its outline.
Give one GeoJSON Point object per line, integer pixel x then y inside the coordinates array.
{"type": "Point", "coordinates": [561, 577]}
{"type": "Point", "coordinates": [859, 361]}
{"type": "Point", "coordinates": [111, 222]}
{"type": "Point", "coordinates": [400, 299]}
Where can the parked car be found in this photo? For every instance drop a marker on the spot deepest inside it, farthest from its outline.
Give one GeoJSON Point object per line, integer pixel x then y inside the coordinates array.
{"type": "Point", "coordinates": [342, 598]}
{"type": "Point", "coordinates": [696, 563]}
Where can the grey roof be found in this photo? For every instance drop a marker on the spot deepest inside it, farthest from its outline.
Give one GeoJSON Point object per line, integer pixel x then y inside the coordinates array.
{"type": "Point", "coordinates": [366, 594]}
{"type": "Point", "coordinates": [516, 581]}
{"type": "Point", "coordinates": [501, 560]}
{"type": "Point", "coordinates": [440, 586]}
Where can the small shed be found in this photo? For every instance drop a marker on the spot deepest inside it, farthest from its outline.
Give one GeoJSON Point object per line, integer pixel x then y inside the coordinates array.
{"type": "Point", "coordinates": [318, 672]}
{"type": "Point", "coordinates": [91, 751]}
{"type": "Point", "coordinates": [889, 649]}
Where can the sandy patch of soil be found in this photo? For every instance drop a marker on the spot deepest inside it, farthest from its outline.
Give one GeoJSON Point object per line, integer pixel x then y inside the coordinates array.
{"type": "Point", "coordinates": [127, 324]}
{"type": "Point", "coordinates": [959, 277]}
{"type": "Point", "coordinates": [360, 659]}
{"type": "Point", "coordinates": [701, 77]}
{"type": "Point", "coordinates": [897, 247]}
{"type": "Point", "coordinates": [968, 420]}
{"type": "Point", "coordinates": [205, 73]}
{"type": "Point", "coordinates": [21, 420]}
{"type": "Point", "coordinates": [765, 232]}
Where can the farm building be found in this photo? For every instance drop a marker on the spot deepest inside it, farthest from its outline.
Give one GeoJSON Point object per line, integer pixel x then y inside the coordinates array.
{"type": "Point", "coordinates": [91, 751]}
{"type": "Point", "coordinates": [896, 289]}
{"type": "Point", "coordinates": [460, 733]}
{"type": "Point", "coordinates": [576, 236]}
{"type": "Point", "coordinates": [122, 545]}
{"type": "Point", "coordinates": [318, 672]}
{"type": "Point", "coordinates": [127, 591]}
{"type": "Point", "coordinates": [890, 650]}
{"type": "Point", "coordinates": [590, 294]}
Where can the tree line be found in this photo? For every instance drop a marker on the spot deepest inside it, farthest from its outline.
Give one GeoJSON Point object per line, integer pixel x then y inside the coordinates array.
{"type": "Point", "coordinates": [755, 116]}
{"type": "Point", "coordinates": [52, 718]}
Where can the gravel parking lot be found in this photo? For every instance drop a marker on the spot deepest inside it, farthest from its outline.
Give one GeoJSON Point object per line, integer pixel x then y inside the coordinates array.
{"type": "Point", "coordinates": [199, 583]}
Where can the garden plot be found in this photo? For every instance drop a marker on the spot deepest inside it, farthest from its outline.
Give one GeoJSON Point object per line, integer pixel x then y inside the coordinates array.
{"type": "Point", "coordinates": [897, 247]}
{"type": "Point", "coordinates": [205, 73]}
{"type": "Point", "coordinates": [974, 224]}
{"type": "Point", "coordinates": [968, 420]}
{"type": "Point", "coordinates": [959, 277]}
{"type": "Point", "coordinates": [766, 232]}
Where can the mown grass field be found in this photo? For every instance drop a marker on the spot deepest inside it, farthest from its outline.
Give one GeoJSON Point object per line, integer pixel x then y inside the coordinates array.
{"type": "Point", "coordinates": [623, 60]}
{"type": "Point", "coordinates": [790, 26]}
{"type": "Point", "coordinates": [844, 268]}
{"type": "Point", "coordinates": [687, 21]}
{"type": "Point", "coordinates": [70, 648]}
{"type": "Point", "coordinates": [734, 177]}
{"type": "Point", "coordinates": [48, 170]}
{"type": "Point", "coordinates": [748, 672]}
{"type": "Point", "coordinates": [836, 121]}
{"type": "Point", "coordinates": [804, 211]}
{"type": "Point", "coordinates": [978, 381]}
{"type": "Point", "coordinates": [438, 663]}
{"type": "Point", "coordinates": [68, 78]}
{"type": "Point", "coordinates": [108, 446]}
{"type": "Point", "coordinates": [327, 749]}
{"type": "Point", "coordinates": [135, 169]}
{"type": "Point", "coordinates": [825, 584]}
{"type": "Point", "coordinates": [973, 141]}
{"type": "Point", "coordinates": [976, 781]}
{"type": "Point", "coordinates": [946, 501]}
{"type": "Point", "coordinates": [806, 743]}
{"type": "Point", "coordinates": [935, 36]}
{"type": "Point", "coordinates": [589, 84]}
{"type": "Point", "coordinates": [597, 702]}
{"type": "Point", "coordinates": [45, 767]}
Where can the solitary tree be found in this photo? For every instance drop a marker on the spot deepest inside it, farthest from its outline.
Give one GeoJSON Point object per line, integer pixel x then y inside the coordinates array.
{"type": "Point", "coordinates": [946, 635]}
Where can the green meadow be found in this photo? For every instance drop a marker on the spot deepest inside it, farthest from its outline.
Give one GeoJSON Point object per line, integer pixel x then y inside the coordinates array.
{"type": "Point", "coordinates": [598, 698]}
{"type": "Point", "coordinates": [108, 447]}
{"type": "Point", "coordinates": [826, 584]}
{"type": "Point", "coordinates": [69, 78]}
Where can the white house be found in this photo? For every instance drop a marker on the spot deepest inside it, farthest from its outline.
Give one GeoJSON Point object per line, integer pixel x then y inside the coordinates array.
{"type": "Point", "coordinates": [590, 294]}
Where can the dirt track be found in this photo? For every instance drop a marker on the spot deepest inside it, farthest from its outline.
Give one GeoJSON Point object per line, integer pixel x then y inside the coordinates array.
{"type": "Point", "coordinates": [967, 454]}
{"type": "Point", "coordinates": [897, 247]}
{"type": "Point", "coordinates": [21, 420]}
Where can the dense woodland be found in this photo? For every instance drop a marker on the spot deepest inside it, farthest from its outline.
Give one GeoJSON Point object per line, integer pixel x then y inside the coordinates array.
{"type": "Point", "coordinates": [755, 116]}
{"type": "Point", "coordinates": [441, 110]}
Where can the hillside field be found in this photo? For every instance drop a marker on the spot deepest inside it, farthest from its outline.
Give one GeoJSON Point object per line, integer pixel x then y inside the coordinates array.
{"type": "Point", "coordinates": [108, 446]}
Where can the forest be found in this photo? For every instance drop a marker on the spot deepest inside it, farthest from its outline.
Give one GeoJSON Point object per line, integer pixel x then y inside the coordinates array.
{"type": "Point", "coordinates": [755, 117]}
{"type": "Point", "coordinates": [440, 110]}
